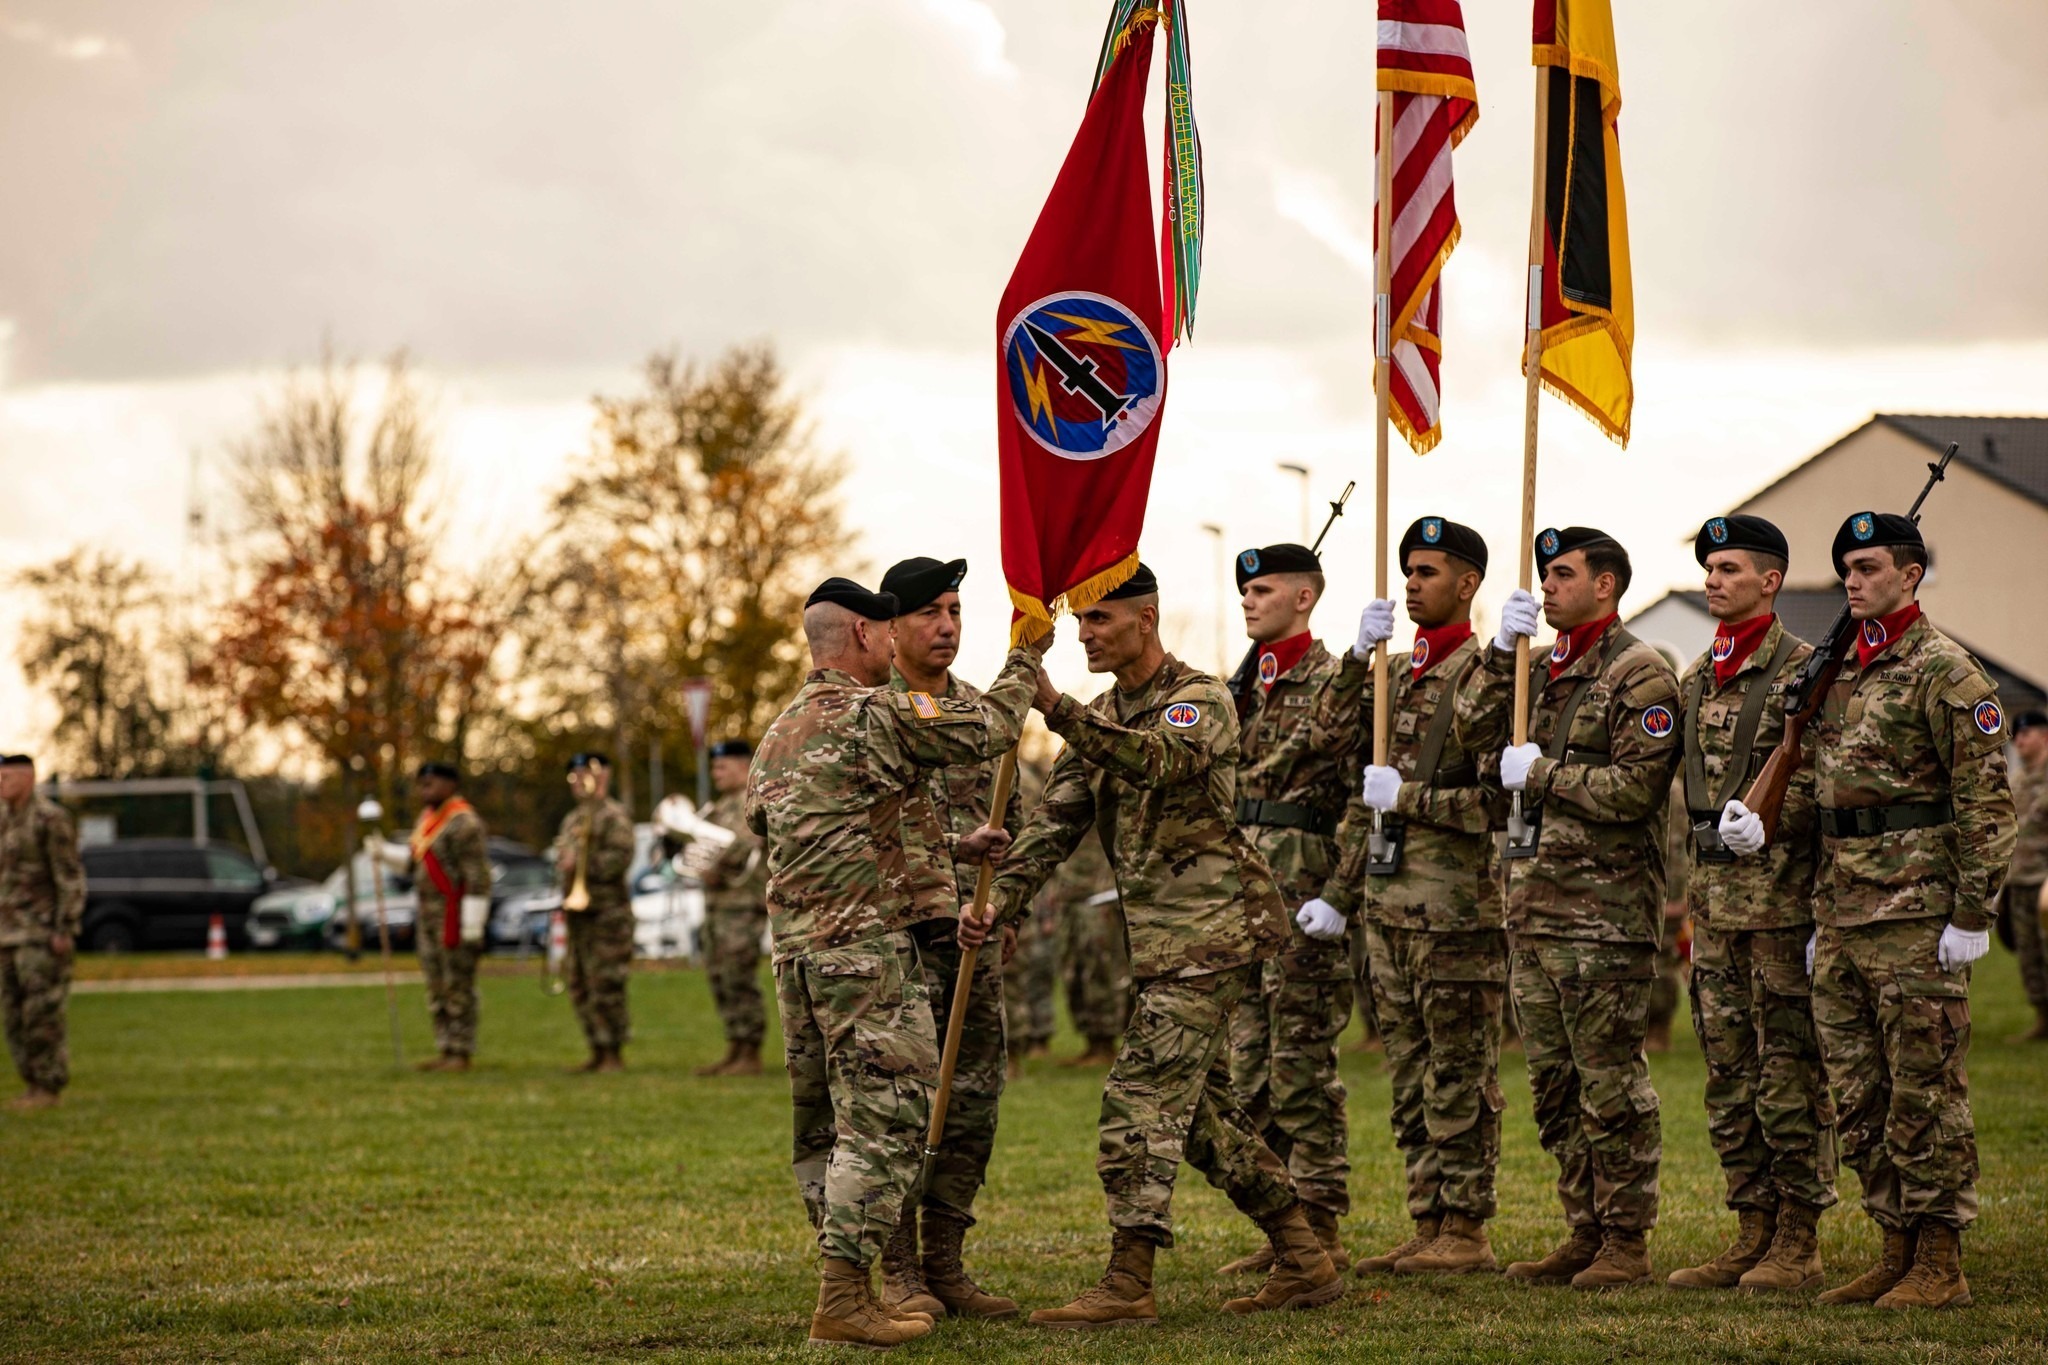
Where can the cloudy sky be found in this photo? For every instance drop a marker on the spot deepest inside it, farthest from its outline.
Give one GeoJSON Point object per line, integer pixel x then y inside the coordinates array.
{"type": "Point", "coordinates": [1835, 210]}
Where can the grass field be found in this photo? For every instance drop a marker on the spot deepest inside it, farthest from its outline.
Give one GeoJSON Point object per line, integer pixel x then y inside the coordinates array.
{"type": "Point", "coordinates": [243, 1176]}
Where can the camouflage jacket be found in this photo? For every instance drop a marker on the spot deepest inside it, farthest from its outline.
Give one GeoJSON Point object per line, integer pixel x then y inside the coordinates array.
{"type": "Point", "coordinates": [1155, 773]}
{"type": "Point", "coordinates": [1598, 873]}
{"type": "Point", "coordinates": [42, 882]}
{"type": "Point", "coordinates": [839, 793]}
{"type": "Point", "coordinates": [737, 879]}
{"type": "Point", "coordinates": [2030, 851]}
{"type": "Point", "coordinates": [1921, 724]}
{"type": "Point", "coordinates": [1444, 883]}
{"type": "Point", "coordinates": [1085, 873]}
{"type": "Point", "coordinates": [1772, 889]}
{"type": "Point", "coordinates": [610, 850]}
{"type": "Point", "coordinates": [960, 793]}
{"type": "Point", "coordinates": [462, 848]}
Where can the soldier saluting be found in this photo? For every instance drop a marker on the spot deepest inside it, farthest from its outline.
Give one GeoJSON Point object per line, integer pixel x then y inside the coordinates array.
{"type": "Point", "coordinates": [593, 854]}
{"type": "Point", "coordinates": [448, 857]}
{"type": "Point", "coordinates": [42, 902]}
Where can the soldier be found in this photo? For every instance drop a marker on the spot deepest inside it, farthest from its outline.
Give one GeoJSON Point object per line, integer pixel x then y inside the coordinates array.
{"type": "Point", "coordinates": [1433, 913]}
{"type": "Point", "coordinates": [42, 901]}
{"type": "Point", "coordinates": [448, 858]}
{"type": "Point", "coordinates": [1768, 1110]}
{"type": "Point", "coordinates": [1916, 822]}
{"type": "Point", "coordinates": [927, 633]}
{"type": "Point", "coordinates": [2026, 884]}
{"type": "Point", "coordinates": [1095, 961]}
{"type": "Point", "coordinates": [593, 853]}
{"type": "Point", "coordinates": [857, 857]}
{"type": "Point", "coordinates": [1153, 763]}
{"type": "Point", "coordinates": [1028, 983]}
{"type": "Point", "coordinates": [1586, 903]}
{"type": "Point", "coordinates": [1298, 755]}
{"type": "Point", "coordinates": [735, 917]}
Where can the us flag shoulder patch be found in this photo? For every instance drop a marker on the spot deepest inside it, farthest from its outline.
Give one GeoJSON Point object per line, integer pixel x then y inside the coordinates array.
{"type": "Point", "coordinates": [922, 703]}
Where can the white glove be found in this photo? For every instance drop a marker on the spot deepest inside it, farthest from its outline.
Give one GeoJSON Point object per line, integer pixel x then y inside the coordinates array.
{"type": "Point", "coordinates": [1515, 762]}
{"type": "Point", "coordinates": [1382, 787]}
{"type": "Point", "coordinates": [1811, 939]}
{"type": "Point", "coordinates": [1375, 627]}
{"type": "Point", "coordinates": [1518, 618]}
{"type": "Point", "coordinates": [476, 913]}
{"type": "Point", "coordinates": [1320, 920]}
{"type": "Point", "coordinates": [1742, 829]}
{"type": "Point", "coordinates": [397, 857]}
{"type": "Point", "coordinates": [1960, 947]}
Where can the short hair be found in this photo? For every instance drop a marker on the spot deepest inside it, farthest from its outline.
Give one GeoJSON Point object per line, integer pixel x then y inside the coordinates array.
{"type": "Point", "coordinates": [1764, 562]}
{"type": "Point", "coordinates": [1608, 557]}
{"type": "Point", "coordinates": [1313, 577]}
{"type": "Point", "coordinates": [828, 629]}
{"type": "Point", "coordinates": [1904, 556]}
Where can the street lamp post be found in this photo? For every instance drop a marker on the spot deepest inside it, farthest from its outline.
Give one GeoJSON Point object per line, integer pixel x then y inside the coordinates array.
{"type": "Point", "coordinates": [1222, 577]}
{"type": "Point", "coordinates": [1302, 472]}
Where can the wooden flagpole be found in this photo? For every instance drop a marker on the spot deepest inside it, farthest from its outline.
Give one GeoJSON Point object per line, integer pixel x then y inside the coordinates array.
{"type": "Point", "coordinates": [1382, 383]}
{"type": "Point", "coordinates": [1532, 361]}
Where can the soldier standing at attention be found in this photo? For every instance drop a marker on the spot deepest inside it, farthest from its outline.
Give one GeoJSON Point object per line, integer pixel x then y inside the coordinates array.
{"type": "Point", "coordinates": [857, 858]}
{"type": "Point", "coordinates": [448, 859]}
{"type": "Point", "coordinates": [593, 853]}
{"type": "Point", "coordinates": [1297, 756]}
{"type": "Point", "coordinates": [1029, 979]}
{"type": "Point", "coordinates": [42, 901]}
{"type": "Point", "coordinates": [927, 633]}
{"type": "Point", "coordinates": [1768, 1110]}
{"type": "Point", "coordinates": [1095, 961]}
{"type": "Point", "coordinates": [2026, 885]}
{"type": "Point", "coordinates": [1586, 904]}
{"type": "Point", "coordinates": [1432, 912]}
{"type": "Point", "coordinates": [1152, 763]}
{"type": "Point", "coordinates": [735, 917]}
{"type": "Point", "coordinates": [1916, 822]}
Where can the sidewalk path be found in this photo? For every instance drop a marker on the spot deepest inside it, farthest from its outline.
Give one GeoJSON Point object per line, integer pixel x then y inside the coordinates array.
{"type": "Point", "coordinates": [236, 983]}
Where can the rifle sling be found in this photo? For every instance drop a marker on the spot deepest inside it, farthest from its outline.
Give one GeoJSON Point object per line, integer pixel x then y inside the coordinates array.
{"type": "Point", "coordinates": [1746, 725]}
{"type": "Point", "coordinates": [1429, 758]}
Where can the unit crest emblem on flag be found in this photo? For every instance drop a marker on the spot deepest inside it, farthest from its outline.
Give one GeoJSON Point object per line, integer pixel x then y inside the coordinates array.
{"type": "Point", "coordinates": [1717, 531]}
{"type": "Point", "coordinates": [1657, 722]}
{"type": "Point", "coordinates": [1432, 530]}
{"type": "Point", "coordinates": [1989, 718]}
{"type": "Point", "coordinates": [1863, 526]}
{"type": "Point", "coordinates": [1085, 374]}
{"type": "Point", "coordinates": [1182, 715]}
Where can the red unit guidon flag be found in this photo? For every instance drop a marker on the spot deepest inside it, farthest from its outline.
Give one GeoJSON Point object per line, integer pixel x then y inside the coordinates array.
{"type": "Point", "coordinates": [1424, 61]}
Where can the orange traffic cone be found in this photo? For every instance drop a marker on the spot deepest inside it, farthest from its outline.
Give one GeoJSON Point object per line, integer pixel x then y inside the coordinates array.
{"type": "Point", "coordinates": [216, 940]}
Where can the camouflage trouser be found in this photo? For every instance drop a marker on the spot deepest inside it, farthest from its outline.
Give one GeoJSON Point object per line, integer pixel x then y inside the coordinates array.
{"type": "Point", "coordinates": [1168, 1099]}
{"type": "Point", "coordinates": [1097, 969]}
{"type": "Point", "coordinates": [961, 1165]}
{"type": "Point", "coordinates": [1583, 1009]}
{"type": "Point", "coordinates": [1768, 1110]}
{"type": "Point", "coordinates": [600, 955]}
{"type": "Point", "coordinates": [1895, 1033]}
{"type": "Point", "coordinates": [33, 985]}
{"type": "Point", "coordinates": [1028, 983]}
{"type": "Point", "coordinates": [862, 1055]}
{"type": "Point", "coordinates": [1438, 996]}
{"type": "Point", "coordinates": [2028, 943]}
{"type": "Point", "coordinates": [732, 964]}
{"type": "Point", "coordinates": [1283, 1073]}
{"type": "Point", "coordinates": [1669, 988]}
{"type": "Point", "coordinates": [1361, 973]}
{"type": "Point", "coordinates": [450, 975]}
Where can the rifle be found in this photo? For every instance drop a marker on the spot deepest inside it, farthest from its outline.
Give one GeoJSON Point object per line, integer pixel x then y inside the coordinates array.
{"type": "Point", "coordinates": [1809, 689]}
{"type": "Point", "coordinates": [1247, 675]}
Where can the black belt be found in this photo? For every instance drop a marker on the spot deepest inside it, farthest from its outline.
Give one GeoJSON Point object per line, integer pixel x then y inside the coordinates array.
{"type": "Point", "coordinates": [1864, 822]}
{"type": "Point", "coordinates": [1286, 815]}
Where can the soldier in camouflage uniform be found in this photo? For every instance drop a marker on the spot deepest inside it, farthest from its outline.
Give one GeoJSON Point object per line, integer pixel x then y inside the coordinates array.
{"type": "Point", "coordinates": [448, 859]}
{"type": "Point", "coordinates": [735, 917]}
{"type": "Point", "coordinates": [42, 901]}
{"type": "Point", "coordinates": [858, 856]}
{"type": "Point", "coordinates": [1917, 822]}
{"type": "Point", "coordinates": [1432, 915]}
{"type": "Point", "coordinates": [1585, 911]}
{"type": "Point", "coordinates": [2021, 901]}
{"type": "Point", "coordinates": [1768, 1109]}
{"type": "Point", "coordinates": [1298, 755]}
{"type": "Point", "coordinates": [1152, 766]}
{"type": "Point", "coordinates": [1095, 961]}
{"type": "Point", "coordinates": [1029, 981]}
{"type": "Point", "coordinates": [594, 849]}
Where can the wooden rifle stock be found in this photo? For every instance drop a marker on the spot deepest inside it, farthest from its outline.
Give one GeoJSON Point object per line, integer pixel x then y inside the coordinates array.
{"type": "Point", "coordinates": [1766, 796]}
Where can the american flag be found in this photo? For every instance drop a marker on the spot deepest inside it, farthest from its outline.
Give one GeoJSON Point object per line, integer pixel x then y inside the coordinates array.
{"type": "Point", "coordinates": [1424, 61]}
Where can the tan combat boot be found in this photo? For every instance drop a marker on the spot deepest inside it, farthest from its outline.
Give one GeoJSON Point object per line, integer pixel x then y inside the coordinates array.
{"type": "Point", "coordinates": [945, 1274]}
{"type": "Point", "coordinates": [903, 1286]}
{"type": "Point", "coordinates": [1578, 1251]}
{"type": "Point", "coordinates": [1302, 1276]}
{"type": "Point", "coordinates": [2038, 1033]}
{"type": "Point", "coordinates": [1873, 1284]}
{"type": "Point", "coordinates": [747, 1062]}
{"type": "Point", "coordinates": [848, 1315]}
{"type": "Point", "coordinates": [1324, 1221]}
{"type": "Point", "coordinates": [1624, 1259]}
{"type": "Point", "coordinates": [723, 1064]}
{"type": "Point", "coordinates": [1121, 1298]}
{"type": "Point", "coordinates": [1754, 1230]}
{"type": "Point", "coordinates": [1460, 1248]}
{"type": "Point", "coordinates": [1793, 1261]}
{"type": "Point", "coordinates": [1253, 1263]}
{"type": "Point", "coordinates": [1426, 1232]}
{"type": "Point", "coordinates": [1936, 1279]}
{"type": "Point", "coordinates": [610, 1060]}
{"type": "Point", "coordinates": [34, 1098]}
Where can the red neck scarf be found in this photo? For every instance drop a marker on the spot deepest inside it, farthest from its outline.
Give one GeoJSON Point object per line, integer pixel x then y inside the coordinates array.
{"type": "Point", "coordinates": [1875, 636]}
{"type": "Point", "coordinates": [1279, 658]}
{"type": "Point", "coordinates": [1733, 644]}
{"type": "Point", "coordinates": [1434, 644]}
{"type": "Point", "coordinates": [1574, 643]}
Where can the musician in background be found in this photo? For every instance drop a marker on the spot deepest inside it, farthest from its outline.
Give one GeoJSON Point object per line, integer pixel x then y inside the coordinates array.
{"type": "Point", "coordinates": [735, 916]}
{"type": "Point", "coordinates": [448, 859]}
{"type": "Point", "coordinates": [593, 853]}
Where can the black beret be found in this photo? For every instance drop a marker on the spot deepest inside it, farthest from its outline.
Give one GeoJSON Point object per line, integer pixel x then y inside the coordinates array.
{"type": "Point", "coordinates": [844, 592]}
{"type": "Point", "coordinates": [1286, 557]}
{"type": "Point", "coordinates": [1868, 529]}
{"type": "Point", "coordinates": [732, 748]}
{"type": "Point", "coordinates": [446, 770]}
{"type": "Point", "coordinates": [1739, 531]}
{"type": "Point", "coordinates": [1435, 533]}
{"type": "Point", "coordinates": [578, 762]}
{"type": "Point", "coordinates": [2029, 720]}
{"type": "Point", "coordinates": [1563, 540]}
{"type": "Point", "coordinates": [16, 761]}
{"type": "Point", "coordinates": [917, 583]}
{"type": "Point", "coordinates": [1139, 584]}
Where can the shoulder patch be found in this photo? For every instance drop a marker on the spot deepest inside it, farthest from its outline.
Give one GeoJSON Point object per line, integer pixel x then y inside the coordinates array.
{"type": "Point", "coordinates": [922, 703]}
{"type": "Point", "coordinates": [1182, 715]}
{"type": "Point", "coordinates": [1658, 722]}
{"type": "Point", "coordinates": [1989, 718]}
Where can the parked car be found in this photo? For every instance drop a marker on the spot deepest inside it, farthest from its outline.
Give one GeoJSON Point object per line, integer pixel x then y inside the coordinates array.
{"type": "Point", "coordinates": [668, 913]}
{"type": "Point", "coordinates": [164, 893]}
{"type": "Point", "coordinates": [315, 917]}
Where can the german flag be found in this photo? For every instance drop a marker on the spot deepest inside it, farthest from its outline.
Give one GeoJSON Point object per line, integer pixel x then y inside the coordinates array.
{"type": "Point", "coordinates": [1588, 317]}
